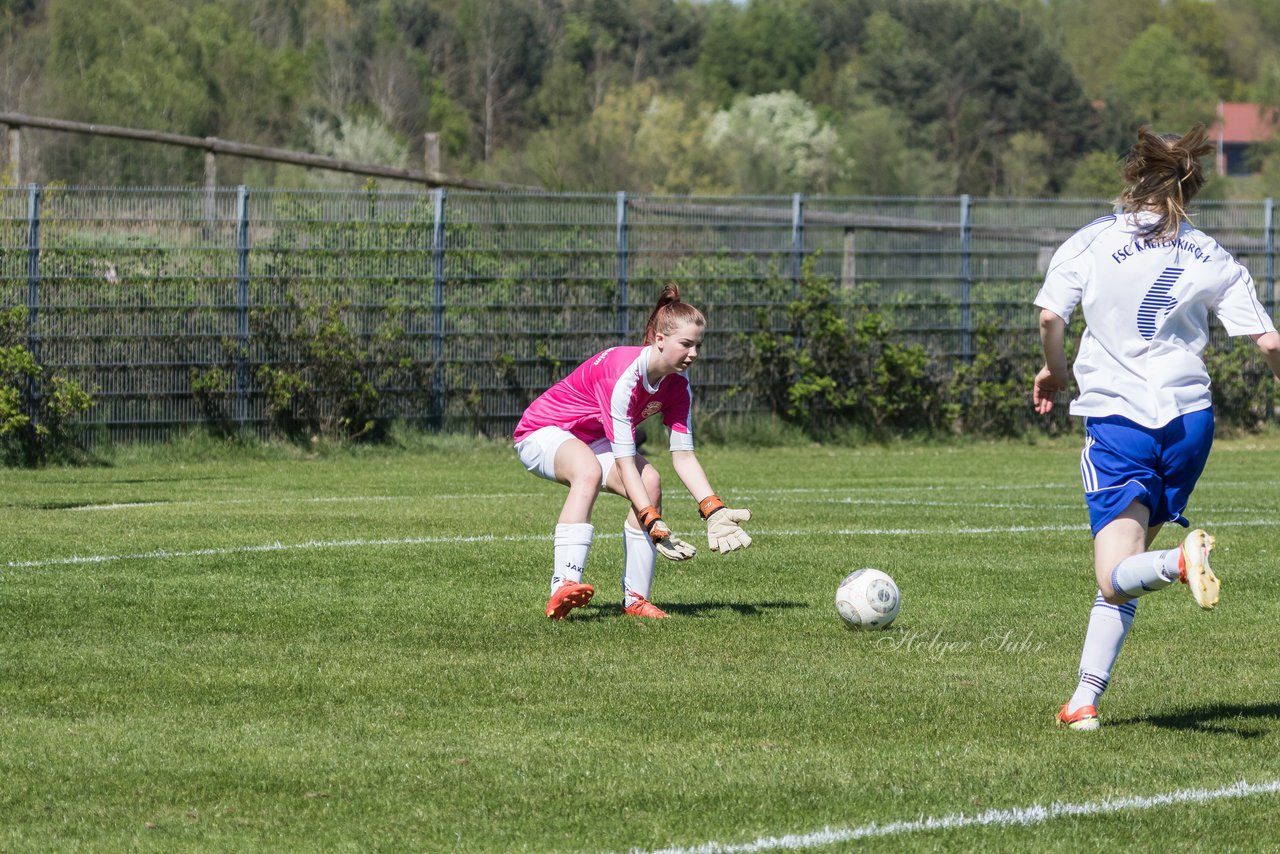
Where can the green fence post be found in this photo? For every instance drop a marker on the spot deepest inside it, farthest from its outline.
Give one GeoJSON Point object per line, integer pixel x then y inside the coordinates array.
{"type": "Point", "coordinates": [966, 277]}
{"type": "Point", "coordinates": [437, 342]}
{"type": "Point", "coordinates": [624, 296]}
{"type": "Point", "coordinates": [797, 241]}
{"type": "Point", "coordinates": [33, 298]}
{"type": "Point", "coordinates": [1269, 244]}
{"type": "Point", "coordinates": [242, 305]}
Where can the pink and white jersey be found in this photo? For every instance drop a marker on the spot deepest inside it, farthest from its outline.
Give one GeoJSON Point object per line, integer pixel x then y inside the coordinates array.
{"type": "Point", "coordinates": [607, 396]}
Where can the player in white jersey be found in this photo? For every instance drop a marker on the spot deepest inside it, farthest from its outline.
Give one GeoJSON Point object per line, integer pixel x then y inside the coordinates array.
{"type": "Point", "coordinates": [581, 432]}
{"type": "Point", "coordinates": [1146, 280]}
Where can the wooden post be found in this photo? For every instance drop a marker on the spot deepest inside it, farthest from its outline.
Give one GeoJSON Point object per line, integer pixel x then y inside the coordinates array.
{"type": "Point", "coordinates": [849, 259]}
{"type": "Point", "coordinates": [431, 152]}
{"type": "Point", "coordinates": [210, 186]}
{"type": "Point", "coordinates": [15, 154]}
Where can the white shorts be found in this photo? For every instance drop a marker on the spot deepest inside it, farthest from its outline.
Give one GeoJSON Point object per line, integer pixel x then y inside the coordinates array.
{"type": "Point", "coordinates": [537, 452]}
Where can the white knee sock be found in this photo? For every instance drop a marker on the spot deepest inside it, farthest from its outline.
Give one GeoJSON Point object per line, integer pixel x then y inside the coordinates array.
{"type": "Point", "coordinates": [573, 541]}
{"type": "Point", "coordinates": [1108, 625]}
{"type": "Point", "coordinates": [1145, 573]}
{"type": "Point", "coordinates": [637, 571]}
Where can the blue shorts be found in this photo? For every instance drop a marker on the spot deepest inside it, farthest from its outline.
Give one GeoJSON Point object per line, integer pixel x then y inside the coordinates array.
{"type": "Point", "coordinates": [1123, 462]}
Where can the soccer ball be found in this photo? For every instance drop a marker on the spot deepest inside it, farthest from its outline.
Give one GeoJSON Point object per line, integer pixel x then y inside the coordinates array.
{"type": "Point", "coordinates": [867, 599]}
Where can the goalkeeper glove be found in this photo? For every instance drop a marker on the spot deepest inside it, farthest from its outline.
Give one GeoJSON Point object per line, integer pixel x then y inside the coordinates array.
{"type": "Point", "coordinates": [724, 534]}
{"type": "Point", "coordinates": [668, 544]}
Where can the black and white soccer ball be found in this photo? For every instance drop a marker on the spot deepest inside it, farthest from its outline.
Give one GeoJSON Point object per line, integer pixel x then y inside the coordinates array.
{"type": "Point", "coordinates": [867, 599]}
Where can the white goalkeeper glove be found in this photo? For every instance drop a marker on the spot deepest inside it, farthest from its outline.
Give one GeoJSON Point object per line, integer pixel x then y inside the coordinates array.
{"type": "Point", "coordinates": [724, 534]}
{"type": "Point", "coordinates": [668, 544]}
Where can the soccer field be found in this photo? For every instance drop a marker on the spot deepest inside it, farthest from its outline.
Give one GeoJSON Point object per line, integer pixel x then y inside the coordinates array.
{"type": "Point", "coordinates": [268, 652]}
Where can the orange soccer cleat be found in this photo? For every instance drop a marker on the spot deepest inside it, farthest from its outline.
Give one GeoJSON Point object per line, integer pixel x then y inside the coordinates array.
{"type": "Point", "coordinates": [569, 595]}
{"type": "Point", "coordinates": [642, 607]}
{"type": "Point", "coordinates": [1082, 719]}
{"type": "Point", "coordinates": [1194, 571]}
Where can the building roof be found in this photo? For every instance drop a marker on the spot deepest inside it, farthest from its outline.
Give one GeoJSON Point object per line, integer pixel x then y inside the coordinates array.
{"type": "Point", "coordinates": [1243, 122]}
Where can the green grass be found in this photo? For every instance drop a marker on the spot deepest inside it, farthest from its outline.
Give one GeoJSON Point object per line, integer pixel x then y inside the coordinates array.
{"type": "Point", "coordinates": [188, 686]}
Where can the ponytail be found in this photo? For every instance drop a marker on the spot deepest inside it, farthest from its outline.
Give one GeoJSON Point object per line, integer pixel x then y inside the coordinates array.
{"type": "Point", "coordinates": [1162, 174]}
{"type": "Point", "coordinates": [669, 313]}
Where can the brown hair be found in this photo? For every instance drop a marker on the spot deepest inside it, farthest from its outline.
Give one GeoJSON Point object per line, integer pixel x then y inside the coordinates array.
{"type": "Point", "coordinates": [1162, 174]}
{"type": "Point", "coordinates": [669, 313]}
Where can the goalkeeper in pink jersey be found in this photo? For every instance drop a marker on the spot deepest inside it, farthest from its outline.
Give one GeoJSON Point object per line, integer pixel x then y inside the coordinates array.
{"type": "Point", "coordinates": [581, 432]}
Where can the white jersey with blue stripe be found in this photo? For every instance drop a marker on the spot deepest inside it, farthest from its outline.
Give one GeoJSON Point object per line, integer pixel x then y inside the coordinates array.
{"type": "Point", "coordinates": [1146, 307]}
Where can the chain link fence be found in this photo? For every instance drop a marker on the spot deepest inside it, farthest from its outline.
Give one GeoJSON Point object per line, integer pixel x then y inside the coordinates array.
{"type": "Point", "coordinates": [174, 306]}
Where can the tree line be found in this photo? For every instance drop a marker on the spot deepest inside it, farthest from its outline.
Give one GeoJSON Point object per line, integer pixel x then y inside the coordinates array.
{"type": "Point", "coordinates": [860, 97]}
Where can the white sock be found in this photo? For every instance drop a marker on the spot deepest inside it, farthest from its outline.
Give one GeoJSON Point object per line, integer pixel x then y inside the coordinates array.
{"type": "Point", "coordinates": [1108, 625]}
{"type": "Point", "coordinates": [637, 570]}
{"type": "Point", "coordinates": [573, 541]}
{"type": "Point", "coordinates": [1145, 573]}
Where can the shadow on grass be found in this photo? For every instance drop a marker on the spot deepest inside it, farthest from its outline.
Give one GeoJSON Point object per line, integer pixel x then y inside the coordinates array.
{"type": "Point", "coordinates": [742, 609]}
{"type": "Point", "coordinates": [603, 611]}
{"type": "Point", "coordinates": [1243, 720]}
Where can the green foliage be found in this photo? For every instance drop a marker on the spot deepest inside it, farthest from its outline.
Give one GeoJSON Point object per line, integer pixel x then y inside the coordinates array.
{"type": "Point", "coordinates": [994, 388]}
{"type": "Point", "coordinates": [37, 409]}
{"type": "Point", "coordinates": [839, 366]}
{"type": "Point", "coordinates": [325, 385]}
{"type": "Point", "coordinates": [767, 46]}
{"type": "Point", "coordinates": [212, 388]}
{"type": "Point", "coordinates": [882, 160]}
{"type": "Point", "coordinates": [931, 96]}
{"type": "Point", "coordinates": [1095, 176]}
{"type": "Point", "coordinates": [971, 76]}
{"type": "Point", "coordinates": [1244, 391]}
{"type": "Point", "coordinates": [1093, 50]}
{"type": "Point", "coordinates": [1161, 84]}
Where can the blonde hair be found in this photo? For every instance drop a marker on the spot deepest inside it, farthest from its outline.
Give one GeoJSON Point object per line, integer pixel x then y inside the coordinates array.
{"type": "Point", "coordinates": [1162, 174]}
{"type": "Point", "coordinates": [669, 313]}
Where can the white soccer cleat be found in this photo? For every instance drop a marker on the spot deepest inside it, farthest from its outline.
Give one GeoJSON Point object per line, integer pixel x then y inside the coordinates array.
{"type": "Point", "coordinates": [1194, 571]}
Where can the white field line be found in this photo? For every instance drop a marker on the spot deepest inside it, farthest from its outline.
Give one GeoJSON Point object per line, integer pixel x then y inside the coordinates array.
{"type": "Point", "coordinates": [165, 554]}
{"type": "Point", "coordinates": [786, 499]}
{"type": "Point", "coordinates": [1012, 817]}
{"type": "Point", "coordinates": [838, 495]}
{"type": "Point", "coordinates": [333, 499]}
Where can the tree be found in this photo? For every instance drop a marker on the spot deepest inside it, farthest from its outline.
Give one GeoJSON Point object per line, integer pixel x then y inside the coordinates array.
{"type": "Point", "coordinates": [503, 60]}
{"type": "Point", "coordinates": [776, 143]}
{"type": "Point", "coordinates": [971, 76]}
{"type": "Point", "coordinates": [1025, 166]}
{"type": "Point", "coordinates": [113, 65]}
{"type": "Point", "coordinates": [1269, 157]}
{"type": "Point", "coordinates": [639, 139]}
{"type": "Point", "coordinates": [1201, 30]}
{"type": "Point", "coordinates": [1093, 35]}
{"type": "Point", "coordinates": [882, 161]}
{"type": "Point", "coordinates": [255, 93]}
{"type": "Point", "coordinates": [1161, 84]}
{"type": "Point", "coordinates": [769, 46]}
{"type": "Point", "coordinates": [22, 48]}
{"type": "Point", "coordinates": [1095, 176]}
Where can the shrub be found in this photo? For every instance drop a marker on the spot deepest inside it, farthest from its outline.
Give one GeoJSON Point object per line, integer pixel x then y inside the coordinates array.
{"type": "Point", "coordinates": [839, 366]}
{"type": "Point", "coordinates": [37, 409]}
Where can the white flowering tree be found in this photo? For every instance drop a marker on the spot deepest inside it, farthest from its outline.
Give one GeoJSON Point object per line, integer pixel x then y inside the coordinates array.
{"type": "Point", "coordinates": [776, 143]}
{"type": "Point", "coordinates": [362, 139]}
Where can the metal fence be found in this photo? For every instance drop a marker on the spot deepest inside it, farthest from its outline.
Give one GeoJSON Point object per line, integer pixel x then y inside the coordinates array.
{"type": "Point", "coordinates": [143, 295]}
